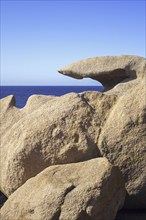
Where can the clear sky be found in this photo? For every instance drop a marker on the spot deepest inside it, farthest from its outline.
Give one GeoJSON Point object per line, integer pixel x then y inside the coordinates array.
{"type": "Point", "coordinates": [39, 37]}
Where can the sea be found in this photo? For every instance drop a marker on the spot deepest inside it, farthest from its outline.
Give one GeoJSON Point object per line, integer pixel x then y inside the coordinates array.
{"type": "Point", "coordinates": [22, 93]}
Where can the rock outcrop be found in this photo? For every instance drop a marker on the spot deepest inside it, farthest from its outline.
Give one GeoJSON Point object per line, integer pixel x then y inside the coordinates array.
{"type": "Point", "coordinates": [123, 141]}
{"type": "Point", "coordinates": [48, 131]}
{"type": "Point", "coordinates": [78, 127]}
{"type": "Point", "coordinates": [109, 70]}
{"type": "Point", "coordinates": [122, 137]}
{"type": "Point", "coordinates": [88, 190]}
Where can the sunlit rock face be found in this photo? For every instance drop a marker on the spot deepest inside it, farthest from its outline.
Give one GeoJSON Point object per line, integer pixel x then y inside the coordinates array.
{"type": "Point", "coordinates": [109, 70]}
{"type": "Point", "coordinates": [48, 131]}
{"type": "Point", "coordinates": [73, 128]}
{"type": "Point", "coordinates": [123, 141]}
{"type": "Point", "coordinates": [122, 137]}
{"type": "Point", "coordinates": [93, 189]}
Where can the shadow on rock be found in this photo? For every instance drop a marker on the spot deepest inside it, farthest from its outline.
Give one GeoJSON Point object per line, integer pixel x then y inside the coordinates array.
{"type": "Point", "coordinates": [131, 215]}
{"type": "Point", "coordinates": [3, 199]}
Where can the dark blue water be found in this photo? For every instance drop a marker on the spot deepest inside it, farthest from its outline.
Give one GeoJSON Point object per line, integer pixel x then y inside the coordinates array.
{"type": "Point", "coordinates": [22, 93]}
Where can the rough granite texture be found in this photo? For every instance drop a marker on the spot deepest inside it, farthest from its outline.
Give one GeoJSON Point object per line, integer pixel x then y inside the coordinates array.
{"type": "Point", "coordinates": [87, 190]}
{"type": "Point", "coordinates": [78, 127]}
{"type": "Point", "coordinates": [109, 70]}
{"type": "Point", "coordinates": [123, 134]}
{"type": "Point", "coordinates": [48, 131]}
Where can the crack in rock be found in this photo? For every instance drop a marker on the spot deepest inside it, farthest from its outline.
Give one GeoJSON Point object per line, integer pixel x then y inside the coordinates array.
{"type": "Point", "coordinates": [67, 191]}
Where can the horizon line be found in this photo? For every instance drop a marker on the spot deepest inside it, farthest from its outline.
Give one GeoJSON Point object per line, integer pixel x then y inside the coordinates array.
{"type": "Point", "coordinates": [52, 85]}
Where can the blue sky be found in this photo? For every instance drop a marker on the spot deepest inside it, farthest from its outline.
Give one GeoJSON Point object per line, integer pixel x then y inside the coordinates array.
{"type": "Point", "coordinates": [39, 37]}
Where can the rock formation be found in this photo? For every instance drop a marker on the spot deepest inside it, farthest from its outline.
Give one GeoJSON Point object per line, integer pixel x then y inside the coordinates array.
{"type": "Point", "coordinates": [88, 190]}
{"type": "Point", "coordinates": [123, 141]}
{"type": "Point", "coordinates": [48, 131]}
{"type": "Point", "coordinates": [122, 137]}
{"type": "Point", "coordinates": [109, 70]}
{"type": "Point", "coordinates": [73, 128]}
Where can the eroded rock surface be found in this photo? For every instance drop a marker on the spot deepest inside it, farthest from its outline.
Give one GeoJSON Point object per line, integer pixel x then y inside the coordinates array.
{"type": "Point", "coordinates": [88, 190]}
{"type": "Point", "coordinates": [123, 133]}
{"type": "Point", "coordinates": [123, 142]}
{"type": "Point", "coordinates": [109, 70]}
{"type": "Point", "coordinates": [47, 131]}
{"type": "Point", "coordinates": [78, 127]}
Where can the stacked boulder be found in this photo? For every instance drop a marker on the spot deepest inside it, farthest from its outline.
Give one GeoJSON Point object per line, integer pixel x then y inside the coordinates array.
{"type": "Point", "coordinates": [77, 156]}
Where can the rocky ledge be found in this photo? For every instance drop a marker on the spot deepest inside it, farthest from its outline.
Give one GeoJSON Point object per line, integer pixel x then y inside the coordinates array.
{"type": "Point", "coordinates": [109, 70]}
{"type": "Point", "coordinates": [78, 156]}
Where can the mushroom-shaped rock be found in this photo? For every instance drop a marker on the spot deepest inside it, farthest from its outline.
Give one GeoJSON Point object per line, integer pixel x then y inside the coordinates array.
{"type": "Point", "coordinates": [109, 70]}
{"type": "Point", "coordinates": [88, 190]}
